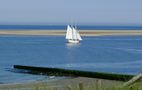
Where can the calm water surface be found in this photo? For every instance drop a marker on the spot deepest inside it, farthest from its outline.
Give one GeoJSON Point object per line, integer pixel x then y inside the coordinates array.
{"type": "Point", "coordinates": [117, 54]}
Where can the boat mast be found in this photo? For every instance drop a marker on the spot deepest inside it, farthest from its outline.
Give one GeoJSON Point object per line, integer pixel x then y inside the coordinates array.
{"type": "Point", "coordinates": [76, 31]}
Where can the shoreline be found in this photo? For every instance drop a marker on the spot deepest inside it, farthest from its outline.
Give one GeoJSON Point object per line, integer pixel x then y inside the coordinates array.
{"type": "Point", "coordinates": [63, 32]}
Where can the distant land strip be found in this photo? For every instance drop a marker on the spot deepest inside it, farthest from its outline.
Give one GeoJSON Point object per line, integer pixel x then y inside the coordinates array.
{"type": "Point", "coordinates": [63, 32]}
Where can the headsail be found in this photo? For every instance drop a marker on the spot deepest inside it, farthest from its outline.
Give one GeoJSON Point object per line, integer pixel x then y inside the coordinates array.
{"type": "Point", "coordinates": [69, 32]}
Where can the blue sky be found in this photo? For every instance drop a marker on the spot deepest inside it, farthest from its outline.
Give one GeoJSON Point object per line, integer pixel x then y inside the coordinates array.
{"type": "Point", "coordinates": [98, 12]}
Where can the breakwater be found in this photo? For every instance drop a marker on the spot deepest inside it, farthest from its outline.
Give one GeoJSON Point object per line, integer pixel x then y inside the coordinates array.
{"type": "Point", "coordinates": [78, 73]}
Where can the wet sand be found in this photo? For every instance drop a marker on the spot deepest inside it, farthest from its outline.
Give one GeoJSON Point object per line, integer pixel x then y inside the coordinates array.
{"type": "Point", "coordinates": [63, 32]}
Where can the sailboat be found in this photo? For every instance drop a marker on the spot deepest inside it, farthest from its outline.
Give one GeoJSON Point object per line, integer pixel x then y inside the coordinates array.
{"type": "Point", "coordinates": [72, 35]}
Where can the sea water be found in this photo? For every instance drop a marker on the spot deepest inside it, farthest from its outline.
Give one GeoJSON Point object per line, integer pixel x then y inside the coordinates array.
{"type": "Point", "coordinates": [63, 27]}
{"type": "Point", "coordinates": [114, 54]}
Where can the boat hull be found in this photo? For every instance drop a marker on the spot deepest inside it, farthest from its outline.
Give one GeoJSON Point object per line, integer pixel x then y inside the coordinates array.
{"type": "Point", "coordinates": [73, 41]}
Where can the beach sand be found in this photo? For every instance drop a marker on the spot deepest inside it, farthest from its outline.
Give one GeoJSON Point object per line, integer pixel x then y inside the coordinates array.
{"type": "Point", "coordinates": [63, 32]}
{"type": "Point", "coordinates": [64, 84]}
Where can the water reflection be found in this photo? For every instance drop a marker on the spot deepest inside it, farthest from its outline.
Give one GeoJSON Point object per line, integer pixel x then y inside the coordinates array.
{"type": "Point", "coordinates": [72, 45]}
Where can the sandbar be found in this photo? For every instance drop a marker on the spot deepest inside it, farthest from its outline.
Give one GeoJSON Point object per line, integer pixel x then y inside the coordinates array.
{"type": "Point", "coordinates": [63, 32]}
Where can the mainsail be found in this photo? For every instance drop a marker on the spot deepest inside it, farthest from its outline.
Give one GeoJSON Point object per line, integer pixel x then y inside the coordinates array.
{"type": "Point", "coordinates": [76, 34]}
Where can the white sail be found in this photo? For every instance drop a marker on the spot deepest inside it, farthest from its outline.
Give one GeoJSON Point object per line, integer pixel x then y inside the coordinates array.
{"type": "Point", "coordinates": [72, 35]}
{"type": "Point", "coordinates": [69, 33]}
{"type": "Point", "coordinates": [77, 35]}
{"type": "Point", "coordinates": [74, 32]}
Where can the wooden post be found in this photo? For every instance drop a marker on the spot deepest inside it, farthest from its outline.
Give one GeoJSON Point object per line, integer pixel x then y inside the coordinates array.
{"type": "Point", "coordinates": [133, 80]}
{"type": "Point", "coordinates": [80, 86]}
{"type": "Point", "coordinates": [69, 87]}
{"type": "Point", "coordinates": [98, 84]}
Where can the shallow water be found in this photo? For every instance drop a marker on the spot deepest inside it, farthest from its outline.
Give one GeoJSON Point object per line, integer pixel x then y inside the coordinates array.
{"type": "Point", "coordinates": [117, 54]}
